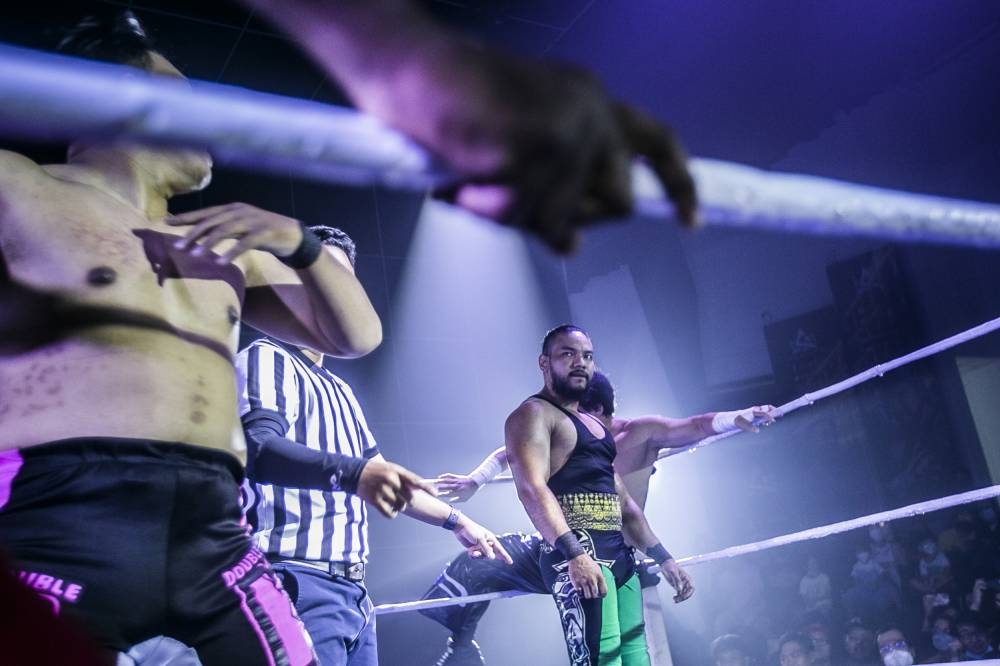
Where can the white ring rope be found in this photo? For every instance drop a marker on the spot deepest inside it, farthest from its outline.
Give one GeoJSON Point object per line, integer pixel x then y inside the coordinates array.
{"type": "Point", "coordinates": [908, 511]}
{"type": "Point", "coordinates": [56, 98]}
{"type": "Point", "coordinates": [426, 604]}
{"type": "Point", "coordinates": [735, 551]}
{"type": "Point", "coordinates": [51, 97]}
{"type": "Point", "coordinates": [876, 371]}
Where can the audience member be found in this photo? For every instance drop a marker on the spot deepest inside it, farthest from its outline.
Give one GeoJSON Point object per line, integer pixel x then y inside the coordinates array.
{"type": "Point", "coordinates": [865, 569]}
{"type": "Point", "coordinates": [822, 650]}
{"type": "Point", "coordinates": [947, 648]}
{"type": "Point", "coordinates": [815, 590]}
{"type": "Point", "coordinates": [872, 596]}
{"type": "Point", "coordinates": [859, 645]}
{"type": "Point", "coordinates": [933, 573]}
{"type": "Point", "coordinates": [933, 604]}
{"type": "Point", "coordinates": [893, 647]}
{"type": "Point", "coordinates": [794, 649]}
{"type": "Point", "coordinates": [730, 650]}
{"type": "Point", "coordinates": [885, 551]}
{"type": "Point", "coordinates": [984, 601]}
{"type": "Point", "coordinates": [975, 640]}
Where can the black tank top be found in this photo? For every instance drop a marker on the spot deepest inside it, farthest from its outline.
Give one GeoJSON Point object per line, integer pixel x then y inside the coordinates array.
{"type": "Point", "coordinates": [589, 467]}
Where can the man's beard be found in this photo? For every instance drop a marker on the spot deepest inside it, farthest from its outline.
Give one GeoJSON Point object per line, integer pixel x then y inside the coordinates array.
{"type": "Point", "coordinates": [561, 387]}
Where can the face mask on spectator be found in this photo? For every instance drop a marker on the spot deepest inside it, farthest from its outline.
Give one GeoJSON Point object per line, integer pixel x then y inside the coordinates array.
{"type": "Point", "coordinates": [942, 641]}
{"type": "Point", "coordinates": [897, 658]}
{"type": "Point", "coordinates": [928, 549]}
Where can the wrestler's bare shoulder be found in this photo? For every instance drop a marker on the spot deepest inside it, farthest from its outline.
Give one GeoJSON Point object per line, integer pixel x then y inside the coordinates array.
{"type": "Point", "coordinates": [17, 172]}
{"type": "Point", "coordinates": [12, 160]}
{"type": "Point", "coordinates": [540, 417]}
{"type": "Point", "coordinates": [527, 422]}
{"type": "Point", "coordinates": [31, 192]}
{"type": "Point", "coordinates": [14, 164]}
{"type": "Point", "coordinates": [62, 232]}
{"type": "Point", "coordinates": [533, 413]}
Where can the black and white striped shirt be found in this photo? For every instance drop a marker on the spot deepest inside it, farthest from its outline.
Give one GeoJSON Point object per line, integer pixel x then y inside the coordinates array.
{"type": "Point", "coordinates": [324, 415]}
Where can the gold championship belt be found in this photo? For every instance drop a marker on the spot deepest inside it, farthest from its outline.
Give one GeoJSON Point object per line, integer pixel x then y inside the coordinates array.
{"type": "Point", "coordinates": [591, 511]}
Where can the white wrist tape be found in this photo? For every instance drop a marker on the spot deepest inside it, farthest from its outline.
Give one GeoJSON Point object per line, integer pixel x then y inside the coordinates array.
{"type": "Point", "coordinates": [726, 421]}
{"type": "Point", "coordinates": [486, 472]}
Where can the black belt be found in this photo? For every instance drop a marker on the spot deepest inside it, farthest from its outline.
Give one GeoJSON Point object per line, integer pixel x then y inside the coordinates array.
{"type": "Point", "coordinates": [352, 572]}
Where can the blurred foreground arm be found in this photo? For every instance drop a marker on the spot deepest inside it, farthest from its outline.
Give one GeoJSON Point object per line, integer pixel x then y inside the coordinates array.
{"type": "Point", "coordinates": [535, 145]}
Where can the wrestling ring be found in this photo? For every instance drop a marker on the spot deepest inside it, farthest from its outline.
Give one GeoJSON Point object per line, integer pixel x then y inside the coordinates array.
{"type": "Point", "coordinates": [53, 98]}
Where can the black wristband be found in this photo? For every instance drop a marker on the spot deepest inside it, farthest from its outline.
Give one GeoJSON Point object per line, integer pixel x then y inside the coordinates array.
{"type": "Point", "coordinates": [347, 473]}
{"type": "Point", "coordinates": [306, 253]}
{"type": "Point", "coordinates": [451, 522]}
{"type": "Point", "coordinates": [658, 553]}
{"type": "Point", "coordinates": [569, 546]}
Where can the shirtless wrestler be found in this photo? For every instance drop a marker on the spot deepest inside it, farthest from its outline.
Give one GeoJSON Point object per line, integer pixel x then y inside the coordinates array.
{"type": "Point", "coordinates": [118, 484]}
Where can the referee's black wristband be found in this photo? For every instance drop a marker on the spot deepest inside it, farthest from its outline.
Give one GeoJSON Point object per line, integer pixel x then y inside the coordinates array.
{"type": "Point", "coordinates": [658, 553]}
{"type": "Point", "coordinates": [568, 545]}
{"type": "Point", "coordinates": [306, 253]}
{"type": "Point", "coordinates": [346, 472]}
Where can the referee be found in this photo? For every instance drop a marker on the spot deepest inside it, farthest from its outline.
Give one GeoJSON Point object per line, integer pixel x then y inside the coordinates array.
{"type": "Point", "coordinates": [312, 465]}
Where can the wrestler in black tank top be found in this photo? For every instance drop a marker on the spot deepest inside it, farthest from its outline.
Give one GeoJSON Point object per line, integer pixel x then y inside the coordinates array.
{"type": "Point", "coordinates": [589, 467]}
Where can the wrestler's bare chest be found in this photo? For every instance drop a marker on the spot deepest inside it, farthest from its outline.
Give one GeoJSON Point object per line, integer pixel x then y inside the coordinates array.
{"type": "Point", "coordinates": [85, 246]}
{"type": "Point", "coordinates": [150, 352]}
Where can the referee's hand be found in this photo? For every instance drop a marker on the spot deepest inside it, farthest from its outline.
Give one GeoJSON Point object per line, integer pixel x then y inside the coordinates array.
{"type": "Point", "coordinates": [389, 487]}
{"type": "Point", "coordinates": [479, 541]}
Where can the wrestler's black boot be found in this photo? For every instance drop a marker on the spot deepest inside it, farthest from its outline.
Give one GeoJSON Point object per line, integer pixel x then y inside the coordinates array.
{"type": "Point", "coordinates": [461, 654]}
